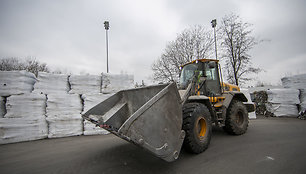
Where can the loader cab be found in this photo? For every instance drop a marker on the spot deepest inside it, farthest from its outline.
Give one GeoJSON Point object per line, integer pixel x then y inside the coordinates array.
{"type": "Point", "coordinates": [207, 75]}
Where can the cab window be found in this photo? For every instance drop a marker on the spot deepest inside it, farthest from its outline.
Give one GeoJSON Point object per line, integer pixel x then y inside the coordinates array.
{"type": "Point", "coordinates": [211, 73]}
{"type": "Point", "coordinates": [187, 73]}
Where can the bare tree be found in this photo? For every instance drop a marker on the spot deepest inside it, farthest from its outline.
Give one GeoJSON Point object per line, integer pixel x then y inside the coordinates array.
{"type": "Point", "coordinates": [16, 64]}
{"type": "Point", "coordinates": [34, 66]}
{"type": "Point", "coordinates": [11, 64]}
{"type": "Point", "coordinates": [193, 43]}
{"type": "Point", "coordinates": [237, 41]}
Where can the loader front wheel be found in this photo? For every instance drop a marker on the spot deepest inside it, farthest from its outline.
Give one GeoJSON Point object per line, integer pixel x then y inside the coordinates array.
{"type": "Point", "coordinates": [197, 126]}
{"type": "Point", "coordinates": [237, 120]}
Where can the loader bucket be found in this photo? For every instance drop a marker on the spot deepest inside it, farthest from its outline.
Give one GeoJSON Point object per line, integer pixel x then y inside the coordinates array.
{"type": "Point", "coordinates": [150, 117]}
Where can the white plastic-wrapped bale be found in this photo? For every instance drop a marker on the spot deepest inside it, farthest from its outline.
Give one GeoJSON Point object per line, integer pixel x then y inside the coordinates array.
{"type": "Point", "coordinates": [2, 107]}
{"type": "Point", "coordinates": [63, 104]}
{"type": "Point", "coordinates": [22, 129]}
{"type": "Point", "coordinates": [16, 82]}
{"type": "Point", "coordinates": [252, 115]}
{"type": "Point", "coordinates": [285, 96]}
{"type": "Point", "coordinates": [112, 83]}
{"type": "Point", "coordinates": [296, 81]}
{"type": "Point", "coordinates": [280, 110]}
{"type": "Point", "coordinates": [65, 126]}
{"type": "Point", "coordinates": [303, 99]}
{"type": "Point", "coordinates": [26, 106]}
{"type": "Point", "coordinates": [64, 115]}
{"type": "Point", "coordinates": [85, 84]}
{"type": "Point", "coordinates": [283, 102]}
{"type": "Point", "coordinates": [91, 100]}
{"type": "Point", "coordinates": [51, 83]}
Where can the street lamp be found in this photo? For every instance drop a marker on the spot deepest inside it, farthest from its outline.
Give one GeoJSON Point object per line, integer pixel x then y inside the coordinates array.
{"type": "Point", "coordinates": [106, 26]}
{"type": "Point", "coordinates": [214, 24]}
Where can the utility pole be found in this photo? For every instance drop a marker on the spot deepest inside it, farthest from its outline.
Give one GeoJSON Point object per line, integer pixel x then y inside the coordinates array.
{"type": "Point", "coordinates": [214, 24]}
{"type": "Point", "coordinates": [106, 26]}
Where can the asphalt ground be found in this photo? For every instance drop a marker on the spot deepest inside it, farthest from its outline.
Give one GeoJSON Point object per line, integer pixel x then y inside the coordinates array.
{"type": "Point", "coordinates": [271, 145]}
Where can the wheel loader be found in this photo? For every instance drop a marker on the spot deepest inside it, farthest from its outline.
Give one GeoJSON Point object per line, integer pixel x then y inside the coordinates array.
{"type": "Point", "coordinates": [164, 118]}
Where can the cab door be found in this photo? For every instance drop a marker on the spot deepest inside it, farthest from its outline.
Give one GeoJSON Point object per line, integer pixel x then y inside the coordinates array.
{"type": "Point", "coordinates": [212, 82]}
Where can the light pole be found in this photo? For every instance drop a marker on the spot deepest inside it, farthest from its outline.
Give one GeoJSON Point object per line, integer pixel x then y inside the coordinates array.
{"type": "Point", "coordinates": [106, 26]}
{"type": "Point", "coordinates": [214, 24]}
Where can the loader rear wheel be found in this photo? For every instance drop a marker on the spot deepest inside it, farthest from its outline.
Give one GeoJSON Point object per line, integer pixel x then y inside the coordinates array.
{"type": "Point", "coordinates": [197, 126]}
{"type": "Point", "coordinates": [237, 120]}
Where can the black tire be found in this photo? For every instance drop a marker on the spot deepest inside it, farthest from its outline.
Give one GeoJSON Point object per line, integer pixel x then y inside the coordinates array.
{"type": "Point", "coordinates": [197, 126]}
{"type": "Point", "coordinates": [237, 119]}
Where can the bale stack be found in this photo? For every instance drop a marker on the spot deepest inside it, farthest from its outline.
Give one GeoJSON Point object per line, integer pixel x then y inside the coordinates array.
{"type": "Point", "coordinates": [23, 113]}
{"type": "Point", "coordinates": [25, 118]}
{"type": "Point", "coordinates": [283, 102]}
{"type": "Point", "coordinates": [297, 82]}
{"type": "Point", "coordinates": [89, 88]}
{"type": "Point", "coordinates": [64, 115]}
{"type": "Point", "coordinates": [62, 109]}
{"type": "Point", "coordinates": [52, 106]}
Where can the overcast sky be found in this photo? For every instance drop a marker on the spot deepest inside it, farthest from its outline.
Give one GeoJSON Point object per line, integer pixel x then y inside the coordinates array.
{"type": "Point", "coordinates": [69, 34]}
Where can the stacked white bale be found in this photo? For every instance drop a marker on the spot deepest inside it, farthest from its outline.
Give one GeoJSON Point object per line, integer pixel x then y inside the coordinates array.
{"type": "Point", "coordinates": [26, 105]}
{"type": "Point", "coordinates": [51, 83]}
{"type": "Point", "coordinates": [283, 102]}
{"type": "Point", "coordinates": [2, 107]}
{"type": "Point", "coordinates": [252, 115]}
{"type": "Point", "coordinates": [112, 83]}
{"type": "Point", "coordinates": [303, 99]}
{"type": "Point", "coordinates": [64, 115]}
{"type": "Point", "coordinates": [296, 81]}
{"type": "Point", "coordinates": [16, 82]}
{"type": "Point", "coordinates": [22, 129]}
{"type": "Point", "coordinates": [91, 100]}
{"type": "Point", "coordinates": [85, 84]}
{"type": "Point", "coordinates": [289, 96]}
{"type": "Point", "coordinates": [25, 118]}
